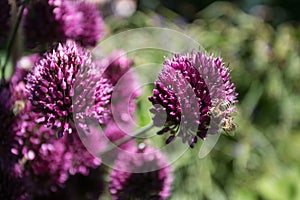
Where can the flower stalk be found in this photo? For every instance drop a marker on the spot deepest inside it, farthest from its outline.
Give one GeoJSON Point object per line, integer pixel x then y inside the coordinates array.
{"type": "Point", "coordinates": [12, 38]}
{"type": "Point", "coordinates": [128, 138]}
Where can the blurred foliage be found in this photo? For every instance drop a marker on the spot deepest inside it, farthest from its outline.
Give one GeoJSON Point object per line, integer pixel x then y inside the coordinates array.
{"type": "Point", "coordinates": [261, 161]}
{"type": "Point", "coordinates": [273, 11]}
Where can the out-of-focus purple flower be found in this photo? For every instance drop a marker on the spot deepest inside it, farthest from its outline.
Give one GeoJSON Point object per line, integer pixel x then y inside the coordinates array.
{"type": "Point", "coordinates": [7, 118]}
{"type": "Point", "coordinates": [80, 187]}
{"type": "Point", "coordinates": [4, 21]}
{"type": "Point", "coordinates": [118, 69]}
{"type": "Point", "coordinates": [52, 87]}
{"type": "Point", "coordinates": [116, 66]}
{"type": "Point", "coordinates": [48, 21]}
{"type": "Point", "coordinates": [188, 88]}
{"type": "Point", "coordinates": [82, 160]}
{"type": "Point", "coordinates": [23, 67]}
{"type": "Point", "coordinates": [46, 161]}
{"type": "Point", "coordinates": [11, 184]}
{"type": "Point", "coordinates": [84, 23]}
{"type": "Point", "coordinates": [41, 26]}
{"type": "Point", "coordinates": [41, 155]}
{"type": "Point", "coordinates": [148, 185]}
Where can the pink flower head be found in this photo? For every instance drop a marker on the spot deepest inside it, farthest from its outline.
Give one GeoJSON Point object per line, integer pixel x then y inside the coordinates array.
{"type": "Point", "coordinates": [189, 86]}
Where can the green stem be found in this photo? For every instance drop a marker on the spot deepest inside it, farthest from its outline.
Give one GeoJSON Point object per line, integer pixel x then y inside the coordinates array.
{"type": "Point", "coordinates": [126, 139]}
{"type": "Point", "coordinates": [12, 38]}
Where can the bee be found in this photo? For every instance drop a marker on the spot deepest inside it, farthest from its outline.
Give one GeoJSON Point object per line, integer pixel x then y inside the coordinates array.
{"type": "Point", "coordinates": [228, 125]}
{"type": "Point", "coordinates": [18, 107]}
{"type": "Point", "coordinates": [225, 105]}
{"type": "Point", "coordinates": [218, 109]}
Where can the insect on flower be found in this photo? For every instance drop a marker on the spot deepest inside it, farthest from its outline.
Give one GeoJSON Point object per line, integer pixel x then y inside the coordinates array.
{"type": "Point", "coordinates": [228, 125]}
{"type": "Point", "coordinates": [18, 107]}
{"type": "Point", "coordinates": [219, 111]}
{"type": "Point", "coordinates": [219, 108]}
{"type": "Point", "coordinates": [195, 92]}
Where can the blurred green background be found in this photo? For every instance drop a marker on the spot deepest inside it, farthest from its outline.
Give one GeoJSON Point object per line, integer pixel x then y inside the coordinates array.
{"type": "Point", "coordinates": [262, 160]}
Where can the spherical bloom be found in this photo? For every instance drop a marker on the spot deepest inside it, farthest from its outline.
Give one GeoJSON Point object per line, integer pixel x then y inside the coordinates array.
{"type": "Point", "coordinates": [4, 21]}
{"type": "Point", "coordinates": [80, 187]}
{"type": "Point", "coordinates": [84, 23]}
{"type": "Point", "coordinates": [41, 27]}
{"type": "Point", "coordinates": [82, 160]}
{"type": "Point", "coordinates": [125, 184]}
{"type": "Point", "coordinates": [118, 69]}
{"type": "Point", "coordinates": [51, 21]}
{"type": "Point", "coordinates": [52, 86]}
{"type": "Point", "coordinates": [115, 65]}
{"type": "Point", "coordinates": [41, 155]}
{"type": "Point", "coordinates": [46, 161]}
{"type": "Point", "coordinates": [189, 87]}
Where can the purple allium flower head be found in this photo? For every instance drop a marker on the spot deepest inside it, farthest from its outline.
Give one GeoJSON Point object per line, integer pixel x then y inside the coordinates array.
{"type": "Point", "coordinates": [52, 87]}
{"type": "Point", "coordinates": [41, 155]}
{"type": "Point", "coordinates": [4, 20]}
{"type": "Point", "coordinates": [118, 69]}
{"type": "Point", "coordinates": [80, 187]}
{"type": "Point", "coordinates": [83, 23]}
{"type": "Point", "coordinates": [116, 66]}
{"type": "Point", "coordinates": [148, 185]}
{"type": "Point", "coordinates": [46, 161]}
{"type": "Point", "coordinates": [41, 26]}
{"type": "Point", "coordinates": [188, 87]}
{"type": "Point", "coordinates": [48, 21]}
{"type": "Point", "coordinates": [82, 160]}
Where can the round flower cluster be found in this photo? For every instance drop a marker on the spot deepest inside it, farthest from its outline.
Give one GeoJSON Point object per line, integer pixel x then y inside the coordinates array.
{"type": "Point", "coordinates": [85, 26]}
{"type": "Point", "coordinates": [47, 161]}
{"type": "Point", "coordinates": [43, 162]}
{"type": "Point", "coordinates": [49, 106]}
{"type": "Point", "coordinates": [189, 87]}
{"type": "Point", "coordinates": [48, 21]}
{"type": "Point", "coordinates": [80, 187]}
{"type": "Point", "coordinates": [52, 86]}
{"type": "Point", "coordinates": [126, 183]}
{"type": "Point", "coordinates": [117, 68]}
